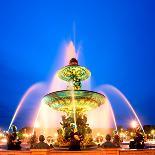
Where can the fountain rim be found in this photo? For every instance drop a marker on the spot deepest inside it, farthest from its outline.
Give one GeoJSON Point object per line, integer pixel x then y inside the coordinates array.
{"type": "Point", "coordinates": [58, 101]}
{"type": "Point", "coordinates": [75, 91]}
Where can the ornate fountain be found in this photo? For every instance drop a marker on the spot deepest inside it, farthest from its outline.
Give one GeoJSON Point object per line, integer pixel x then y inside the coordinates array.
{"type": "Point", "coordinates": [74, 103]}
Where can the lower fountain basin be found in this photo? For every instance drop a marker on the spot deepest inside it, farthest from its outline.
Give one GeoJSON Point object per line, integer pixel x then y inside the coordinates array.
{"type": "Point", "coordinates": [84, 100]}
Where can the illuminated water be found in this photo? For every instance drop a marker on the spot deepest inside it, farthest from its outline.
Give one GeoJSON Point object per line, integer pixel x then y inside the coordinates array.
{"type": "Point", "coordinates": [33, 88]}
{"type": "Point", "coordinates": [103, 117]}
{"type": "Point", "coordinates": [111, 91]}
{"type": "Point", "coordinates": [56, 84]}
{"type": "Point", "coordinates": [71, 88]}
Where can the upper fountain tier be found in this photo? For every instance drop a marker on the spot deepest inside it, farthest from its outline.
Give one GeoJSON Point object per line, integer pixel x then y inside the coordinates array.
{"type": "Point", "coordinates": [74, 74]}
{"type": "Point", "coordinates": [84, 100]}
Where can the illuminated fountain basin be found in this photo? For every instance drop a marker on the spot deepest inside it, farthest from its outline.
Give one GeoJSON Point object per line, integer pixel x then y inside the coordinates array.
{"type": "Point", "coordinates": [83, 99]}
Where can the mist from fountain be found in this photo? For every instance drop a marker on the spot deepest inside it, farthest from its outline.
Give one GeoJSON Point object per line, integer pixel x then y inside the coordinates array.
{"type": "Point", "coordinates": [111, 91]}
{"type": "Point", "coordinates": [102, 119]}
{"type": "Point", "coordinates": [71, 88]}
{"type": "Point", "coordinates": [33, 88]}
{"type": "Point", "coordinates": [55, 84]}
{"type": "Point", "coordinates": [70, 52]}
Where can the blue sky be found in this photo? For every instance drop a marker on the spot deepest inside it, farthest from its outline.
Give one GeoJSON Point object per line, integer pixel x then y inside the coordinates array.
{"type": "Point", "coordinates": [117, 39]}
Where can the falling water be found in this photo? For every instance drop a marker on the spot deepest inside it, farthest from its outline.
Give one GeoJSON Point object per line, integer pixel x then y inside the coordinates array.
{"type": "Point", "coordinates": [102, 119]}
{"type": "Point", "coordinates": [27, 93]}
{"type": "Point", "coordinates": [111, 110]}
{"type": "Point", "coordinates": [47, 120]}
{"type": "Point", "coordinates": [69, 52]}
{"type": "Point", "coordinates": [113, 115]}
{"type": "Point", "coordinates": [36, 123]}
{"type": "Point", "coordinates": [86, 85]}
{"type": "Point", "coordinates": [73, 101]}
{"type": "Point", "coordinates": [122, 96]}
{"type": "Point", "coordinates": [74, 107]}
{"type": "Point", "coordinates": [56, 84]}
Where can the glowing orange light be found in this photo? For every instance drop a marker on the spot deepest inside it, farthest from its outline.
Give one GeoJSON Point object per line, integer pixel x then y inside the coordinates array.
{"type": "Point", "coordinates": [134, 124]}
{"type": "Point", "coordinates": [37, 125]}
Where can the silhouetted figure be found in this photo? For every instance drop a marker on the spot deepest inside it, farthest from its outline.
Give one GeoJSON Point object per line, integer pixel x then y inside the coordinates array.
{"type": "Point", "coordinates": [33, 140]}
{"type": "Point", "coordinates": [41, 144]}
{"type": "Point", "coordinates": [116, 140]}
{"type": "Point", "coordinates": [74, 141]}
{"type": "Point", "coordinates": [13, 143]}
{"type": "Point", "coordinates": [108, 143]}
{"type": "Point", "coordinates": [138, 142]}
{"type": "Point", "coordinates": [9, 141]}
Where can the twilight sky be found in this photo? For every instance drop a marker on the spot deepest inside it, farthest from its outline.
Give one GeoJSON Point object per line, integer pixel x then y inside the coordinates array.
{"type": "Point", "coordinates": [117, 40]}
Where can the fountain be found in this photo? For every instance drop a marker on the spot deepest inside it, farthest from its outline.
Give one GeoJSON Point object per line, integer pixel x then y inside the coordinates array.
{"type": "Point", "coordinates": [74, 103]}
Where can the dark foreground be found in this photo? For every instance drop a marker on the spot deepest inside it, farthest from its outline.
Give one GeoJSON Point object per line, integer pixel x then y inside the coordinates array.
{"type": "Point", "coordinates": [86, 152]}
